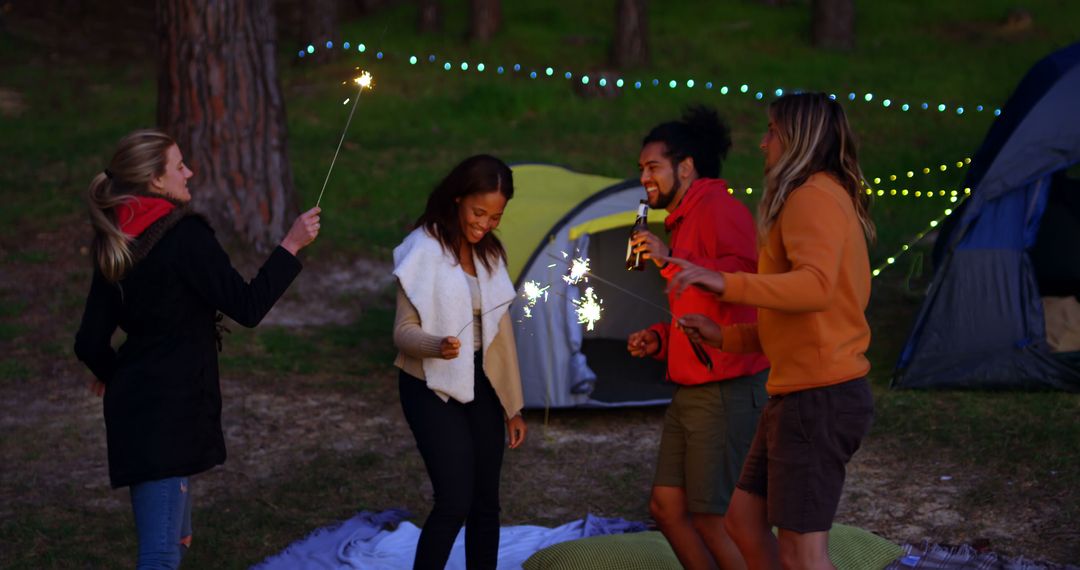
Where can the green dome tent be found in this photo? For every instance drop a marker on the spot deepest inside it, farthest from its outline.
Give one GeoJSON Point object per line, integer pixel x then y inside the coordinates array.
{"type": "Point", "coordinates": [554, 212]}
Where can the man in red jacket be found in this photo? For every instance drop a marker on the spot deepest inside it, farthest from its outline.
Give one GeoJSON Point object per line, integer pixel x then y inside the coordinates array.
{"type": "Point", "coordinates": [711, 420]}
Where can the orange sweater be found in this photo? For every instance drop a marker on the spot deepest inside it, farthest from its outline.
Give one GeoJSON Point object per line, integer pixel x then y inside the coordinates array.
{"type": "Point", "coordinates": [811, 290]}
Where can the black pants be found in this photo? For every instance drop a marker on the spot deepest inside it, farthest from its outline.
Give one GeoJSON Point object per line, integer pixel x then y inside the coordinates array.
{"type": "Point", "coordinates": [462, 447]}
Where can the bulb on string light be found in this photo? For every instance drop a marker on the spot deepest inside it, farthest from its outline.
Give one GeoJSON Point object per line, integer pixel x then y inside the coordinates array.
{"type": "Point", "coordinates": [724, 90]}
{"type": "Point", "coordinates": [603, 82]}
{"type": "Point", "coordinates": [345, 45]}
{"type": "Point", "coordinates": [310, 48]}
{"type": "Point", "coordinates": [517, 67]}
{"type": "Point", "coordinates": [868, 97]}
{"type": "Point", "coordinates": [549, 72]}
{"type": "Point", "coordinates": [584, 79]}
{"type": "Point", "coordinates": [886, 103]}
{"type": "Point", "coordinates": [481, 67]}
{"type": "Point", "coordinates": [941, 107]}
{"type": "Point", "coordinates": [329, 45]}
{"type": "Point", "coordinates": [412, 60]}
{"type": "Point", "coordinates": [361, 48]}
{"type": "Point", "coordinates": [619, 83]}
{"type": "Point", "coordinates": [744, 88]}
{"type": "Point", "coordinates": [779, 92]}
{"type": "Point", "coordinates": [464, 66]}
{"type": "Point", "coordinates": [446, 66]}
{"type": "Point", "coordinates": [708, 84]}
{"type": "Point", "coordinates": [532, 75]}
{"type": "Point", "coordinates": [637, 85]}
{"type": "Point", "coordinates": [431, 58]}
{"type": "Point", "coordinates": [905, 107]}
{"type": "Point", "coordinates": [568, 75]}
{"type": "Point", "coordinates": [672, 84]}
{"type": "Point", "coordinates": [500, 70]}
{"type": "Point", "coordinates": [690, 83]}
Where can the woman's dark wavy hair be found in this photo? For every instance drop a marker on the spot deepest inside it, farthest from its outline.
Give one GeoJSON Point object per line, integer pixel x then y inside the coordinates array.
{"type": "Point", "coordinates": [701, 134]}
{"type": "Point", "coordinates": [478, 174]}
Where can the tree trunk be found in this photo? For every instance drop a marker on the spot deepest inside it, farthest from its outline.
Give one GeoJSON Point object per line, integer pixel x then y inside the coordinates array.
{"type": "Point", "coordinates": [429, 16]}
{"type": "Point", "coordinates": [834, 24]}
{"type": "Point", "coordinates": [320, 20]}
{"type": "Point", "coordinates": [485, 17]}
{"type": "Point", "coordinates": [219, 97]}
{"type": "Point", "coordinates": [631, 45]}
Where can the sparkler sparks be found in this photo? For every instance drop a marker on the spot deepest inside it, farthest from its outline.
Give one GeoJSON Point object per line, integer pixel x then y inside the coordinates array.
{"type": "Point", "coordinates": [364, 81]}
{"type": "Point", "coordinates": [588, 309]}
{"type": "Point", "coordinates": [579, 268]}
{"type": "Point", "coordinates": [533, 291]}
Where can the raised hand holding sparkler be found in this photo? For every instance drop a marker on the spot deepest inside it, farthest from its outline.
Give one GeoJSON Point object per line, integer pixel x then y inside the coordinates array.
{"type": "Point", "coordinates": [363, 81]}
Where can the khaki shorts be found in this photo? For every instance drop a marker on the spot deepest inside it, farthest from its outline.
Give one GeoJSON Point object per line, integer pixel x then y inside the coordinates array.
{"type": "Point", "coordinates": [707, 433]}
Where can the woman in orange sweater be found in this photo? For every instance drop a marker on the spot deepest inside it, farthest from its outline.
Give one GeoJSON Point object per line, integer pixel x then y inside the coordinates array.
{"type": "Point", "coordinates": [811, 290]}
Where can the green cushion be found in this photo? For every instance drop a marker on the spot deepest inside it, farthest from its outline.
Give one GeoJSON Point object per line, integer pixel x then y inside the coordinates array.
{"type": "Point", "coordinates": [609, 552]}
{"type": "Point", "coordinates": [850, 548]}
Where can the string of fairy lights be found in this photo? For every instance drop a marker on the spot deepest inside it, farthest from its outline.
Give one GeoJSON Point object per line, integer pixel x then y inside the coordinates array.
{"type": "Point", "coordinates": [955, 196]}
{"type": "Point", "coordinates": [734, 88]}
{"type": "Point", "coordinates": [892, 259]}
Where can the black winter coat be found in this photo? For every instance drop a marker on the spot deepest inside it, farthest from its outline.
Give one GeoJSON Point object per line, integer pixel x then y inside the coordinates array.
{"type": "Point", "coordinates": [162, 395]}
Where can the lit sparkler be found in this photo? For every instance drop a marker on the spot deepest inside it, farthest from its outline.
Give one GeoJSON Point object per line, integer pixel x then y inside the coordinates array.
{"type": "Point", "coordinates": [588, 309]}
{"type": "Point", "coordinates": [532, 291]}
{"type": "Point", "coordinates": [579, 269]}
{"type": "Point", "coordinates": [363, 81]}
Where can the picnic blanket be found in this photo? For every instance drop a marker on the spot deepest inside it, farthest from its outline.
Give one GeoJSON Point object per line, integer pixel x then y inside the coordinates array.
{"type": "Point", "coordinates": [385, 541]}
{"type": "Point", "coordinates": [936, 557]}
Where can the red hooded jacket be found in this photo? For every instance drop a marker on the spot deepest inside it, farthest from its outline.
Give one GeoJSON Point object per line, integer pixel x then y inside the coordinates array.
{"type": "Point", "coordinates": [714, 230]}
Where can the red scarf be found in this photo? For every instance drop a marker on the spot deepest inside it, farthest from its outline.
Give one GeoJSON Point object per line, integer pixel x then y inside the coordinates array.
{"type": "Point", "coordinates": [135, 215]}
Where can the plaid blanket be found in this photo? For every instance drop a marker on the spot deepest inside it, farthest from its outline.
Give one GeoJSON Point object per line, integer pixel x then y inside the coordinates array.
{"type": "Point", "coordinates": [937, 557]}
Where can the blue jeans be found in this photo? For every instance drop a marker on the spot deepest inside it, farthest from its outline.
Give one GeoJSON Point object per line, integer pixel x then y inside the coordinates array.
{"type": "Point", "coordinates": [163, 522]}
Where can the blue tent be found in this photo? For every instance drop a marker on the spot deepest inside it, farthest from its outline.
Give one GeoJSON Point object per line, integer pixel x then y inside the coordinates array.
{"type": "Point", "coordinates": [982, 325]}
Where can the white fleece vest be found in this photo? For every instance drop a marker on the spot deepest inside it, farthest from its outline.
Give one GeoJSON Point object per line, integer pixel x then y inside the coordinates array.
{"type": "Point", "coordinates": [436, 285]}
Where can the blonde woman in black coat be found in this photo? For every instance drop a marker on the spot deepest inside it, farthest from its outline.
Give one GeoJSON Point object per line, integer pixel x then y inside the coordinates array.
{"type": "Point", "coordinates": [161, 276]}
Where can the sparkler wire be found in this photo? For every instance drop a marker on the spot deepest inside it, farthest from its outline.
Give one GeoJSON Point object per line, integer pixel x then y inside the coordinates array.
{"type": "Point", "coordinates": [345, 130]}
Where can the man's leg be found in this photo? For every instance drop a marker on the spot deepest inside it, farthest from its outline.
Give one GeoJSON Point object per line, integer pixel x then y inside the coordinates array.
{"type": "Point", "coordinates": [747, 525]}
{"type": "Point", "coordinates": [711, 529]}
{"type": "Point", "coordinates": [668, 509]}
{"type": "Point", "coordinates": [805, 550]}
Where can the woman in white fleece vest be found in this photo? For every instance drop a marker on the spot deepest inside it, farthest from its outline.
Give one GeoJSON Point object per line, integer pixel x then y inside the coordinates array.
{"type": "Point", "coordinates": [453, 299]}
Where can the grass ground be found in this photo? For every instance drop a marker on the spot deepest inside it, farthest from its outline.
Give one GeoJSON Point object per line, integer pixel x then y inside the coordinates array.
{"type": "Point", "coordinates": [66, 99]}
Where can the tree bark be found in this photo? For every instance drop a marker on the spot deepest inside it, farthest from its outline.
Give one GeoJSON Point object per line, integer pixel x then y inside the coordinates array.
{"type": "Point", "coordinates": [834, 24]}
{"type": "Point", "coordinates": [485, 18]}
{"type": "Point", "coordinates": [320, 22]}
{"type": "Point", "coordinates": [630, 47]}
{"type": "Point", "coordinates": [219, 97]}
{"type": "Point", "coordinates": [429, 16]}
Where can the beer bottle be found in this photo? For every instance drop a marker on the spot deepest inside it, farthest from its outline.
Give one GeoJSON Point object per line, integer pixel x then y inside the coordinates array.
{"type": "Point", "coordinates": [634, 262]}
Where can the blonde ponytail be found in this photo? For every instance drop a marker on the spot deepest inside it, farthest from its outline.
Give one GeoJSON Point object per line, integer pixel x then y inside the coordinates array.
{"type": "Point", "coordinates": [139, 158]}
